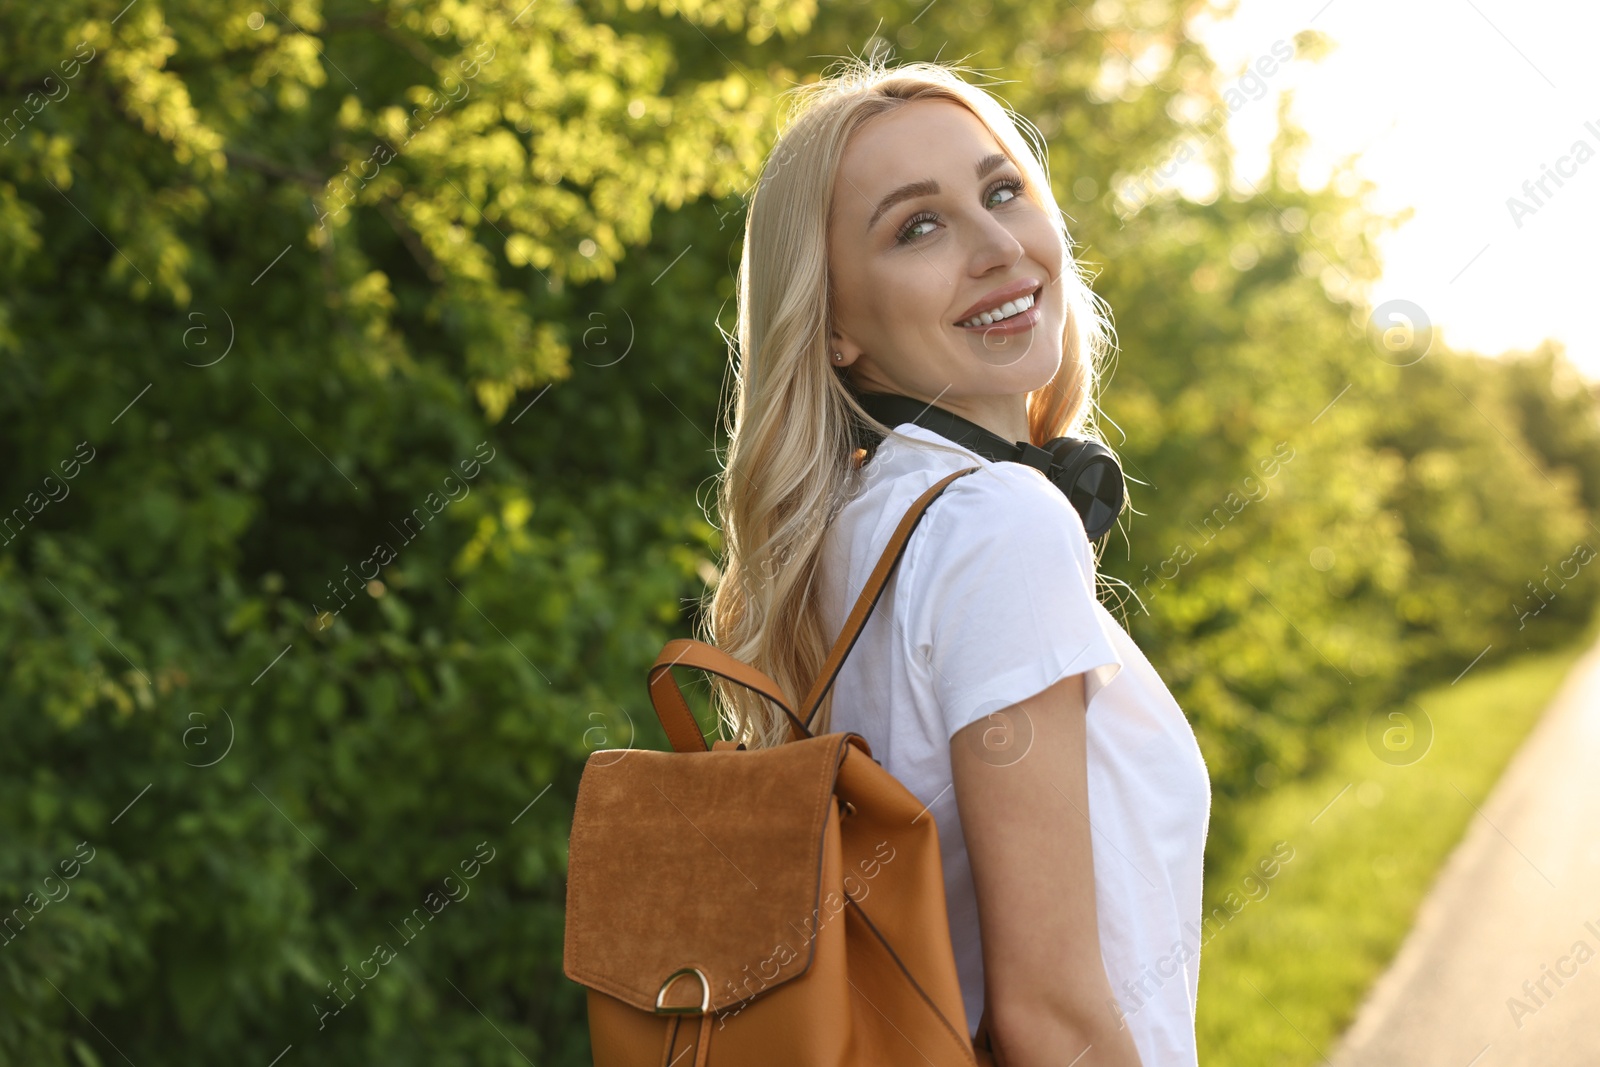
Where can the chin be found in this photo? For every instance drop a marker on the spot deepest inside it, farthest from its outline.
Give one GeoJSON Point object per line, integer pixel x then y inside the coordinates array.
{"type": "Point", "coordinates": [1034, 368]}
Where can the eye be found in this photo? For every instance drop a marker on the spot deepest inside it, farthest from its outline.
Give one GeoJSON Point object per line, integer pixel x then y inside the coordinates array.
{"type": "Point", "coordinates": [915, 220]}
{"type": "Point", "coordinates": [1014, 185]}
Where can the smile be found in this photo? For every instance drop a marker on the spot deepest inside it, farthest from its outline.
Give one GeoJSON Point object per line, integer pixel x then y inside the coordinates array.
{"type": "Point", "coordinates": [1017, 312]}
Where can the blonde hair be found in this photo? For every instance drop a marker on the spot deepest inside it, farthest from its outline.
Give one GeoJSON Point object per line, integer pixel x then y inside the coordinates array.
{"type": "Point", "coordinates": [792, 460]}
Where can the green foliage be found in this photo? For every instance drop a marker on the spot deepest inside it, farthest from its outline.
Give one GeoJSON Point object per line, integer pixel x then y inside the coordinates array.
{"type": "Point", "coordinates": [361, 372]}
{"type": "Point", "coordinates": [283, 273]}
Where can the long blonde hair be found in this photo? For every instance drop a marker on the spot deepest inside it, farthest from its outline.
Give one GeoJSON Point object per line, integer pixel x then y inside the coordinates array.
{"type": "Point", "coordinates": [792, 459]}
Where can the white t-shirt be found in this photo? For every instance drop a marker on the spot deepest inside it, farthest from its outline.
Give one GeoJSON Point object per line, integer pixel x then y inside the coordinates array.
{"type": "Point", "coordinates": [992, 602]}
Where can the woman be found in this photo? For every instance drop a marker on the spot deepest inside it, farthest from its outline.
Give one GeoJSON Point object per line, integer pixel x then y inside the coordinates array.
{"type": "Point", "coordinates": [896, 209]}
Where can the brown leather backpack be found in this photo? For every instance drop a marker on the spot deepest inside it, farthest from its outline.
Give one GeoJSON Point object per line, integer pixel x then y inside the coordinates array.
{"type": "Point", "coordinates": [781, 907]}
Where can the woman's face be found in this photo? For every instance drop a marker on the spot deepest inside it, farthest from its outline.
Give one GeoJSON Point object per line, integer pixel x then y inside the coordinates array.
{"type": "Point", "coordinates": [905, 275]}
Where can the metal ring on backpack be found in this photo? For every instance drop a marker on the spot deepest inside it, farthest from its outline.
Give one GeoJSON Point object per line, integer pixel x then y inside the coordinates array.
{"type": "Point", "coordinates": [705, 994]}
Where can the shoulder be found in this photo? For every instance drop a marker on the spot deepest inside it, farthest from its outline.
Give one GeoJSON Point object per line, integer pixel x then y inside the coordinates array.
{"type": "Point", "coordinates": [1003, 512]}
{"type": "Point", "coordinates": [1011, 485]}
{"type": "Point", "coordinates": [1007, 500]}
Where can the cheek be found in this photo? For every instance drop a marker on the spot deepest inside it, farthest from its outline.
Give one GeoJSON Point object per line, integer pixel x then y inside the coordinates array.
{"type": "Point", "coordinates": [919, 296]}
{"type": "Point", "coordinates": [1051, 256]}
{"type": "Point", "coordinates": [883, 299]}
{"type": "Point", "coordinates": [911, 308]}
{"type": "Point", "coordinates": [847, 282]}
{"type": "Point", "coordinates": [1044, 244]}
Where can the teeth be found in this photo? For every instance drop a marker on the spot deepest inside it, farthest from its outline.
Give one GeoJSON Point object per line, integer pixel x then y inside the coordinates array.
{"type": "Point", "coordinates": [1004, 311]}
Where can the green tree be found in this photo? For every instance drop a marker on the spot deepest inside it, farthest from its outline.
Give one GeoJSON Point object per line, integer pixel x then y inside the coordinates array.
{"type": "Point", "coordinates": [283, 273]}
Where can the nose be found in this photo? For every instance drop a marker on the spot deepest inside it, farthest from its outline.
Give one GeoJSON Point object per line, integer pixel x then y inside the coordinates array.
{"type": "Point", "coordinates": [993, 244]}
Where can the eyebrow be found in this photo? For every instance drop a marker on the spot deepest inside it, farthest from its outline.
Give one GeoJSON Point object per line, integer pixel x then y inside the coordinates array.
{"type": "Point", "coordinates": [929, 187]}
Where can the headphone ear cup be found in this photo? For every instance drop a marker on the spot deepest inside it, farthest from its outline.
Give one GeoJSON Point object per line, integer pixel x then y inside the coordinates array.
{"type": "Point", "coordinates": [1092, 480]}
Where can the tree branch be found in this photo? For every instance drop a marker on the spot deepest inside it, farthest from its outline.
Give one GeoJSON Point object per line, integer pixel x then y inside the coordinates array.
{"type": "Point", "coordinates": [238, 157]}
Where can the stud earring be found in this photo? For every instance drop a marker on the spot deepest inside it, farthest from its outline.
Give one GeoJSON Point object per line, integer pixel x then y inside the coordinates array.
{"type": "Point", "coordinates": [837, 358]}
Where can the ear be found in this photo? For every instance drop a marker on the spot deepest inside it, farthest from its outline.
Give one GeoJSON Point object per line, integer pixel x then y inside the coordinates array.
{"type": "Point", "coordinates": [841, 350]}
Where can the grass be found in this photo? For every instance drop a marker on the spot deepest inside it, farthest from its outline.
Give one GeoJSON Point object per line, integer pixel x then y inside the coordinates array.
{"type": "Point", "coordinates": [1284, 969]}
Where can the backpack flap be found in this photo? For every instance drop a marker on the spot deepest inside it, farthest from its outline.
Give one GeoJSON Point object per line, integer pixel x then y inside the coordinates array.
{"type": "Point", "coordinates": [697, 859]}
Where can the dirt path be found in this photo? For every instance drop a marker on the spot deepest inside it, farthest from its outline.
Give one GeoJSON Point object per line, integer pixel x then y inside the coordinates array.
{"type": "Point", "coordinates": [1502, 968]}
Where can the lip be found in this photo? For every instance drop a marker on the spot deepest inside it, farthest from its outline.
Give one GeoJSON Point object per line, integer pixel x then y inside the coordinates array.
{"type": "Point", "coordinates": [1009, 291]}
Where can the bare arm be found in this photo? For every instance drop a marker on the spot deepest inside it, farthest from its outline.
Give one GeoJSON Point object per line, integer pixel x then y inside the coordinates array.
{"type": "Point", "coordinates": [1028, 838]}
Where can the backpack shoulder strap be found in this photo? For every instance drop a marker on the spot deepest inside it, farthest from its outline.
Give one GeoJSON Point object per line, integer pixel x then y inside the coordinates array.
{"type": "Point", "coordinates": [871, 592]}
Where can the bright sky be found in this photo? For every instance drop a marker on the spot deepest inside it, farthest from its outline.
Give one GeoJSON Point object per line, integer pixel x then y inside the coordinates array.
{"type": "Point", "coordinates": [1452, 106]}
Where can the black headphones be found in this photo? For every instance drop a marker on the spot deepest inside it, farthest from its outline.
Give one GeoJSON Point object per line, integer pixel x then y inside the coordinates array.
{"type": "Point", "coordinates": [1084, 470]}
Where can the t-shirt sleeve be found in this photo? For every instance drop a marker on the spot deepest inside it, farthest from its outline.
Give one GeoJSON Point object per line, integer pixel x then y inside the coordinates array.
{"type": "Point", "coordinates": [1001, 602]}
